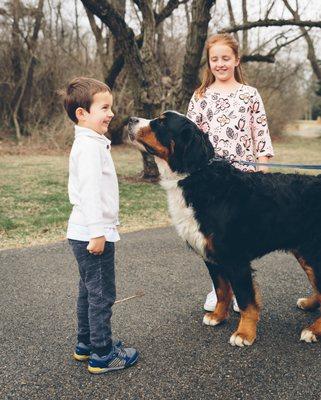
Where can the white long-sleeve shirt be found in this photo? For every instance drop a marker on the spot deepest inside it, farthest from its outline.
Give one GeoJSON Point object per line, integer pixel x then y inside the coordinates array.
{"type": "Point", "coordinates": [92, 188]}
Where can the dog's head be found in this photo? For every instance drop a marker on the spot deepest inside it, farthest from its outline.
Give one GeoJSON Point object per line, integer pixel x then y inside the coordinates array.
{"type": "Point", "coordinates": [173, 138]}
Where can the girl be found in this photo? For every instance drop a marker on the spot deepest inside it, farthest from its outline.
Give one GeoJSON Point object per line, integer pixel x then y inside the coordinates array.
{"type": "Point", "coordinates": [231, 112]}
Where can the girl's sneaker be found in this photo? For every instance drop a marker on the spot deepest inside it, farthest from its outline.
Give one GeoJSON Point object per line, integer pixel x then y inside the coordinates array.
{"type": "Point", "coordinates": [118, 358]}
{"type": "Point", "coordinates": [211, 300]}
{"type": "Point", "coordinates": [236, 307]}
{"type": "Point", "coordinates": [82, 350]}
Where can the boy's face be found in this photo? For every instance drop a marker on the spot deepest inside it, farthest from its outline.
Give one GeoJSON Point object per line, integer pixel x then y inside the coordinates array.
{"type": "Point", "coordinates": [100, 113]}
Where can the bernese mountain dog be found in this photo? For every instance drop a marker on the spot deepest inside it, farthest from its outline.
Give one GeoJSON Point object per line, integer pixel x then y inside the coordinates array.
{"type": "Point", "coordinates": [231, 217]}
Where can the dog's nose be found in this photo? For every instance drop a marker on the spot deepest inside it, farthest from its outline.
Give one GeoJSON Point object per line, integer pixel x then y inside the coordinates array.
{"type": "Point", "coordinates": [133, 120]}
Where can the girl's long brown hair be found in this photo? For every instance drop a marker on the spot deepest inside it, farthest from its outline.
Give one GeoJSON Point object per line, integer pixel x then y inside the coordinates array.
{"type": "Point", "coordinates": [208, 77]}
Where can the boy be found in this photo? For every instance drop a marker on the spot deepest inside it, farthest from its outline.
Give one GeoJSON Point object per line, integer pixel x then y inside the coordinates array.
{"type": "Point", "coordinates": [93, 192]}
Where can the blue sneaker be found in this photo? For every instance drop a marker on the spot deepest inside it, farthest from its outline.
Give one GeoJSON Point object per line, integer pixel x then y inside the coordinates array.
{"type": "Point", "coordinates": [82, 350]}
{"type": "Point", "coordinates": [118, 358]}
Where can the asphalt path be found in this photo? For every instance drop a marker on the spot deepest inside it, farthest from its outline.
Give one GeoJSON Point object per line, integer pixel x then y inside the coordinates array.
{"type": "Point", "coordinates": [179, 357]}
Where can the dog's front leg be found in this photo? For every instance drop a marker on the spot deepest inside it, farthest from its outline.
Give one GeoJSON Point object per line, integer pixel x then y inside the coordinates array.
{"type": "Point", "coordinates": [224, 296]}
{"type": "Point", "coordinates": [248, 299]}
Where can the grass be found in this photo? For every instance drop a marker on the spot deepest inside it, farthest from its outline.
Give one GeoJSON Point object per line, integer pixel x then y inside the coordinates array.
{"type": "Point", "coordinates": [299, 151]}
{"type": "Point", "coordinates": [34, 206]}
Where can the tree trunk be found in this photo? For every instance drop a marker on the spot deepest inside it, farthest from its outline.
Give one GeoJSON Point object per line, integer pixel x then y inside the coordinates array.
{"type": "Point", "coordinates": [25, 84]}
{"type": "Point", "coordinates": [194, 47]}
{"type": "Point", "coordinates": [150, 173]}
{"type": "Point", "coordinates": [245, 33]}
{"type": "Point", "coordinates": [16, 55]}
{"type": "Point", "coordinates": [143, 71]}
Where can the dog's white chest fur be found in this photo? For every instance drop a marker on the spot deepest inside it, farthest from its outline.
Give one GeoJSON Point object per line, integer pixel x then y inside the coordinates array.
{"type": "Point", "coordinates": [182, 216]}
{"type": "Point", "coordinates": [184, 221]}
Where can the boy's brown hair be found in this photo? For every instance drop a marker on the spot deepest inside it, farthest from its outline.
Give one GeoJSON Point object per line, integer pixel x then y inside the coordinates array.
{"type": "Point", "coordinates": [80, 92]}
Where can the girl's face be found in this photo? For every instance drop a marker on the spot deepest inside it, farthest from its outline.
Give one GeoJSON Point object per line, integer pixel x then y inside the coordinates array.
{"type": "Point", "coordinates": [222, 62]}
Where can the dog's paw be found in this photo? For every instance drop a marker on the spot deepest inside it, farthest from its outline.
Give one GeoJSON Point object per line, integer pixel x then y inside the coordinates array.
{"type": "Point", "coordinates": [308, 336]}
{"type": "Point", "coordinates": [212, 320]}
{"type": "Point", "coordinates": [307, 303]}
{"type": "Point", "coordinates": [240, 340]}
{"type": "Point", "coordinates": [301, 303]}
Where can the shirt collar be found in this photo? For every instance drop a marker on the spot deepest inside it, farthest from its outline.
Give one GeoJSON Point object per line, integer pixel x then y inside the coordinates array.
{"type": "Point", "coordinates": [82, 131]}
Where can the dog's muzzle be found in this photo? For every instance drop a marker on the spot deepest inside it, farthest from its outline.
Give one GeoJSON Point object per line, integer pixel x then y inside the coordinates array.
{"type": "Point", "coordinates": [134, 125]}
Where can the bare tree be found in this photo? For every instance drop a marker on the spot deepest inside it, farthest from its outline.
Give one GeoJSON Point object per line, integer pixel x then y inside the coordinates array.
{"type": "Point", "coordinates": [311, 52]}
{"type": "Point", "coordinates": [107, 49]}
{"type": "Point", "coordinates": [153, 69]}
{"type": "Point", "coordinates": [194, 47]}
{"type": "Point", "coordinates": [245, 33]}
{"type": "Point", "coordinates": [142, 67]}
{"type": "Point", "coordinates": [25, 78]}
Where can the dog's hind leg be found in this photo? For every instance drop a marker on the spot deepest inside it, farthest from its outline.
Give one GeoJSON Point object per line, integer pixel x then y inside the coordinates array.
{"type": "Point", "coordinates": [223, 293]}
{"type": "Point", "coordinates": [248, 299]}
{"type": "Point", "coordinates": [313, 302]}
{"type": "Point", "coordinates": [312, 267]}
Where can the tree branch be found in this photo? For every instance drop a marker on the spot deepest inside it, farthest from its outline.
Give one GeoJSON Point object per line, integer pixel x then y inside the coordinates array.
{"type": "Point", "coordinates": [159, 18]}
{"type": "Point", "coordinates": [269, 9]}
{"type": "Point", "coordinates": [125, 35]}
{"type": "Point", "coordinates": [232, 18]}
{"type": "Point", "coordinates": [271, 22]}
{"type": "Point", "coordinates": [311, 52]}
{"type": "Point", "coordinates": [277, 48]}
{"type": "Point", "coordinates": [268, 58]}
{"type": "Point", "coordinates": [168, 9]}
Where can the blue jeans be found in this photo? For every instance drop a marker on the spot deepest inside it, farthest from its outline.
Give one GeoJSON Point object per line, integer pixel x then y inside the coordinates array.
{"type": "Point", "coordinates": [97, 293]}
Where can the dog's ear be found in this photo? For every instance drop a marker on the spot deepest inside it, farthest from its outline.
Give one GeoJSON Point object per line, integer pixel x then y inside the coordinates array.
{"type": "Point", "coordinates": [198, 152]}
{"type": "Point", "coordinates": [191, 150]}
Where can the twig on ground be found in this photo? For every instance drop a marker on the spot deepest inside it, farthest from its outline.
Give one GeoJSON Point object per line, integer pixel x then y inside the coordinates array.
{"type": "Point", "coordinates": [138, 294]}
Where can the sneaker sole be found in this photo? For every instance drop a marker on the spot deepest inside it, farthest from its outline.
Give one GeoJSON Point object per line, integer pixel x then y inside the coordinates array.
{"type": "Point", "coordinates": [97, 370]}
{"type": "Point", "coordinates": [78, 357]}
{"type": "Point", "coordinates": [209, 309]}
{"type": "Point", "coordinates": [237, 310]}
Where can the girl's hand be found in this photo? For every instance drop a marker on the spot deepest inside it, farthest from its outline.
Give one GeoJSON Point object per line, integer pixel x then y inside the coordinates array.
{"type": "Point", "coordinates": [264, 160]}
{"type": "Point", "coordinates": [96, 246]}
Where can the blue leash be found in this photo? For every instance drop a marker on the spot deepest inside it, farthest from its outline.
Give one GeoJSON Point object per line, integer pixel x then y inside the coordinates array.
{"type": "Point", "coordinates": [273, 165]}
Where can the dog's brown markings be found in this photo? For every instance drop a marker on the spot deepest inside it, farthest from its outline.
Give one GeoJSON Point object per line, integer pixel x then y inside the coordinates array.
{"type": "Point", "coordinates": [209, 246]}
{"type": "Point", "coordinates": [247, 325]}
{"type": "Point", "coordinates": [224, 297]}
{"type": "Point", "coordinates": [249, 319]}
{"type": "Point", "coordinates": [314, 301]}
{"type": "Point", "coordinates": [147, 136]}
{"type": "Point", "coordinates": [315, 328]}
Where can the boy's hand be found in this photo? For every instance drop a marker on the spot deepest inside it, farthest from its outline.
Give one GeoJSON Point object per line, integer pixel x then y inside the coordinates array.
{"type": "Point", "coordinates": [96, 245]}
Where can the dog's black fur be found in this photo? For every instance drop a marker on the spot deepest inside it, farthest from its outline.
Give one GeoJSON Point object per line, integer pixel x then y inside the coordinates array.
{"type": "Point", "coordinates": [245, 215]}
